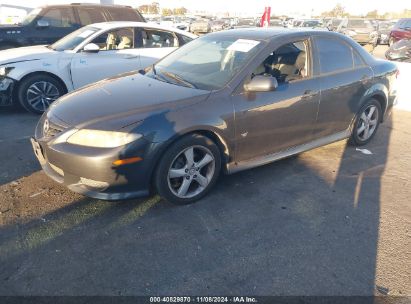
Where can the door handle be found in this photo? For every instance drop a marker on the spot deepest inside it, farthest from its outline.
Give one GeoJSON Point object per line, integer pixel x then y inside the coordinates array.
{"type": "Point", "coordinates": [131, 57]}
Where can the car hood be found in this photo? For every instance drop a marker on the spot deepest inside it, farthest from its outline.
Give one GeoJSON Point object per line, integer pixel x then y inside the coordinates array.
{"type": "Point", "coordinates": [124, 99]}
{"type": "Point", "coordinates": [361, 30]}
{"type": "Point", "coordinates": [28, 53]}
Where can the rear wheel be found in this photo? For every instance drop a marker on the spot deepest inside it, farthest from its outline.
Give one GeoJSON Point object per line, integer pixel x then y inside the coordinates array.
{"type": "Point", "coordinates": [366, 123]}
{"type": "Point", "coordinates": [188, 169]}
{"type": "Point", "coordinates": [37, 92]}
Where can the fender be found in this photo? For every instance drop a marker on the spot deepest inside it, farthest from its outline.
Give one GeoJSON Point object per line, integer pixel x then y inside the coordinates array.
{"type": "Point", "coordinates": [378, 91]}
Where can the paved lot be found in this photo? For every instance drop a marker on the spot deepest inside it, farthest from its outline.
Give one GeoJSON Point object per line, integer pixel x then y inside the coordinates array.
{"type": "Point", "coordinates": [332, 221]}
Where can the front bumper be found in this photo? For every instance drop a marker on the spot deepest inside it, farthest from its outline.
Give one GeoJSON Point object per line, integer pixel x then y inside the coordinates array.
{"type": "Point", "coordinates": [6, 90]}
{"type": "Point", "coordinates": [90, 171]}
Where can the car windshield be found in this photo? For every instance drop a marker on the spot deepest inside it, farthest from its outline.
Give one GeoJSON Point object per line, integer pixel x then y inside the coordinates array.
{"type": "Point", "coordinates": [246, 22]}
{"type": "Point", "coordinates": [207, 63]}
{"type": "Point", "coordinates": [359, 24]}
{"type": "Point", "coordinates": [71, 41]}
{"type": "Point", "coordinates": [31, 16]}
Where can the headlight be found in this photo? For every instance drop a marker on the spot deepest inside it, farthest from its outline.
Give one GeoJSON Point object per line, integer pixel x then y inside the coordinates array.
{"type": "Point", "coordinates": [5, 70]}
{"type": "Point", "coordinates": [102, 139]}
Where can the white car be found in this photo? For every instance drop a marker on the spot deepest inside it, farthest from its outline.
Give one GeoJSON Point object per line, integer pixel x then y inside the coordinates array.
{"type": "Point", "coordinates": [36, 76]}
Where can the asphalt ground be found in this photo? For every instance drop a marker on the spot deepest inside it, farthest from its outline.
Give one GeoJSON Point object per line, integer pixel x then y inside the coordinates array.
{"type": "Point", "coordinates": [331, 221]}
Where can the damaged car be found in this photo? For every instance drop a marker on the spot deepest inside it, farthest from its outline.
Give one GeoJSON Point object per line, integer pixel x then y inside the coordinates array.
{"type": "Point", "coordinates": [36, 76]}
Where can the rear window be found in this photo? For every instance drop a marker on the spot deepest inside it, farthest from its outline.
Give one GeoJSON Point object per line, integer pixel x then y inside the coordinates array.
{"type": "Point", "coordinates": [90, 15]}
{"type": "Point", "coordinates": [124, 14]}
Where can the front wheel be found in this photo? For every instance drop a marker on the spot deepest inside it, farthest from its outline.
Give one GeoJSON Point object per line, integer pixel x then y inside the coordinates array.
{"type": "Point", "coordinates": [366, 123]}
{"type": "Point", "coordinates": [37, 92]}
{"type": "Point", "coordinates": [188, 169]}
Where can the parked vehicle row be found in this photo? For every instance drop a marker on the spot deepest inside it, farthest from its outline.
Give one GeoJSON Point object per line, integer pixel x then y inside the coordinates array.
{"type": "Point", "coordinates": [225, 102]}
{"type": "Point", "coordinates": [45, 25]}
{"type": "Point", "coordinates": [36, 76]}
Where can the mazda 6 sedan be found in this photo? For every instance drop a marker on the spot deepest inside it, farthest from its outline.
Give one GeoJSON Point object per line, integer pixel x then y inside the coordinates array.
{"type": "Point", "coordinates": [225, 102]}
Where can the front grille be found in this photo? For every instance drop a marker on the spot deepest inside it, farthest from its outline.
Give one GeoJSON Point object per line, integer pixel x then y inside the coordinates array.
{"type": "Point", "coordinates": [52, 127]}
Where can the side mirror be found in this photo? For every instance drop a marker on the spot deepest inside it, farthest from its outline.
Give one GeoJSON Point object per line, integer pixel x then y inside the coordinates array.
{"type": "Point", "coordinates": [91, 48]}
{"type": "Point", "coordinates": [43, 23]}
{"type": "Point", "coordinates": [262, 84]}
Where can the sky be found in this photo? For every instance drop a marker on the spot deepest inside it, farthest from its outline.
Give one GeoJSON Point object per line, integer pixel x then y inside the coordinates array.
{"type": "Point", "coordinates": [357, 7]}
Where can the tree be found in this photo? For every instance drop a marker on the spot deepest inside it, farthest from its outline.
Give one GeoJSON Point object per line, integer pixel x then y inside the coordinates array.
{"type": "Point", "coordinates": [152, 8]}
{"type": "Point", "coordinates": [338, 11]}
{"type": "Point", "coordinates": [166, 12]}
{"type": "Point", "coordinates": [372, 14]}
{"type": "Point", "coordinates": [180, 11]}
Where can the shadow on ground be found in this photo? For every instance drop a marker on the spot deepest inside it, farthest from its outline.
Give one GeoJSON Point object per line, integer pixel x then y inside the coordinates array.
{"type": "Point", "coordinates": [307, 225]}
{"type": "Point", "coordinates": [16, 127]}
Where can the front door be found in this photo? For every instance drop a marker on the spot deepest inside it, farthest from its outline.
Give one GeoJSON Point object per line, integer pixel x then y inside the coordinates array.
{"type": "Point", "coordinates": [61, 22]}
{"type": "Point", "coordinates": [270, 122]}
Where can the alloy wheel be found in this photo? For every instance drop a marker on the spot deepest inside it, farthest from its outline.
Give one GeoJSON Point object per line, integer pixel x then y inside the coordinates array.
{"type": "Point", "coordinates": [41, 94]}
{"type": "Point", "coordinates": [191, 171]}
{"type": "Point", "coordinates": [368, 123]}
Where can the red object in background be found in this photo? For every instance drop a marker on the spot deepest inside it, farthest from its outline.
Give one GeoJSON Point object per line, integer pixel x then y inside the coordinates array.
{"type": "Point", "coordinates": [265, 20]}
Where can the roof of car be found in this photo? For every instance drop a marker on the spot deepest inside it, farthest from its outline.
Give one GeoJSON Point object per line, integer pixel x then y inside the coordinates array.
{"type": "Point", "coordinates": [86, 4]}
{"type": "Point", "coordinates": [268, 33]}
{"type": "Point", "coordinates": [120, 24]}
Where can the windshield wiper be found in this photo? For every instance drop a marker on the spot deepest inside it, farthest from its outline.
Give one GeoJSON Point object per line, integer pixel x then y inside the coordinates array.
{"type": "Point", "coordinates": [179, 79]}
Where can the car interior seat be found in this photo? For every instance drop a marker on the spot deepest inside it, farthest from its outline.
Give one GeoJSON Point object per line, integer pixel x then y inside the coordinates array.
{"type": "Point", "coordinates": [111, 42]}
{"type": "Point", "coordinates": [125, 43]}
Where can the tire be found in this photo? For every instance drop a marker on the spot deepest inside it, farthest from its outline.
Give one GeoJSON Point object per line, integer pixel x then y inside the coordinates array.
{"type": "Point", "coordinates": [186, 186]}
{"type": "Point", "coordinates": [45, 87]}
{"type": "Point", "coordinates": [366, 123]}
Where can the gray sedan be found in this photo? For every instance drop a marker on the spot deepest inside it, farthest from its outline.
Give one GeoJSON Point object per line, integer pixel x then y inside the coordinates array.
{"type": "Point", "coordinates": [226, 102]}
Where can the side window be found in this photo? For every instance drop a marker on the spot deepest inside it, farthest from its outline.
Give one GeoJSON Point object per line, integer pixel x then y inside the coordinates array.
{"type": "Point", "coordinates": [89, 16]}
{"type": "Point", "coordinates": [287, 63]}
{"type": "Point", "coordinates": [156, 39]}
{"type": "Point", "coordinates": [184, 39]}
{"type": "Point", "coordinates": [334, 55]}
{"type": "Point", "coordinates": [357, 59]}
{"type": "Point", "coordinates": [118, 14]}
{"type": "Point", "coordinates": [407, 24]}
{"type": "Point", "coordinates": [62, 17]}
{"type": "Point", "coordinates": [118, 39]}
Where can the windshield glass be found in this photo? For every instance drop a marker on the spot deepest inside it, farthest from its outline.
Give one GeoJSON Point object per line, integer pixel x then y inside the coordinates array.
{"type": "Point", "coordinates": [31, 16]}
{"type": "Point", "coordinates": [246, 22]}
{"type": "Point", "coordinates": [72, 40]}
{"type": "Point", "coordinates": [207, 63]}
{"type": "Point", "coordinates": [359, 24]}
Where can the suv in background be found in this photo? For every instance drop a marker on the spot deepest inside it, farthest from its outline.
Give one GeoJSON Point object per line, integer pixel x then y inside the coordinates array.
{"type": "Point", "coordinates": [47, 24]}
{"type": "Point", "coordinates": [401, 30]}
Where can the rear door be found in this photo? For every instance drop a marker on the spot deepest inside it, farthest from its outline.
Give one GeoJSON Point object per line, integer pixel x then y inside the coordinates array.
{"type": "Point", "coordinates": [155, 44]}
{"type": "Point", "coordinates": [117, 55]}
{"type": "Point", "coordinates": [344, 77]}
